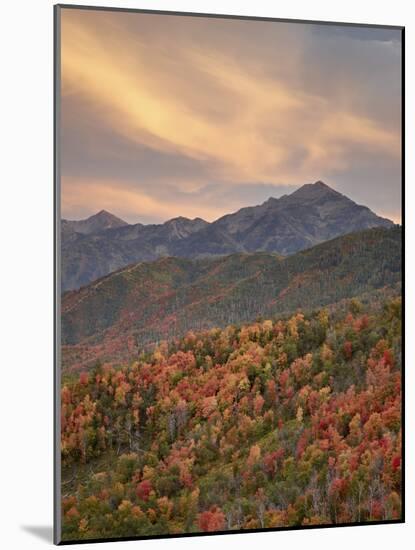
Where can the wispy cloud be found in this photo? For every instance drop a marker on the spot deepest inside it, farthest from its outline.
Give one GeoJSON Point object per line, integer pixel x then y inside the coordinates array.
{"type": "Point", "coordinates": [131, 204]}
{"type": "Point", "coordinates": [192, 89]}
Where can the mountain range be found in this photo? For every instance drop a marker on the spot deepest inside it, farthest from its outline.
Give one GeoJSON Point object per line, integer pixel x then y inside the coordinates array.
{"type": "Point", "coordinates": [315, 213]}
{"type": "Point", "coordinates": [113, 318]}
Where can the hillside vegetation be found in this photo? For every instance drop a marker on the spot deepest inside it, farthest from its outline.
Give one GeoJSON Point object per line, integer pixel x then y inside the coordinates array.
{"type": "Point", "coordinates": [114, 318]}
{"type": "Point", "coordinates": [276, 423]}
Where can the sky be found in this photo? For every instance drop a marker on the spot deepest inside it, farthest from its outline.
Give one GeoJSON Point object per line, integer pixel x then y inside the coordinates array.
{"type": "Point", "coordinates": [165, 116]}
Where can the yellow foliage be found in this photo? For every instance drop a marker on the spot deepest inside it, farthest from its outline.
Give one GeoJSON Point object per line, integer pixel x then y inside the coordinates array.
{"type": "Point", "coordinates": [254, 455]}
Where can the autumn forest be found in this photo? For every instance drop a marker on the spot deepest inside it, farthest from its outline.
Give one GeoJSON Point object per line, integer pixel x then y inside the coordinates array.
{"type": "Point", "coordinates": [278, 423]}
{"type": "Point", "coordinates": [229, 267]}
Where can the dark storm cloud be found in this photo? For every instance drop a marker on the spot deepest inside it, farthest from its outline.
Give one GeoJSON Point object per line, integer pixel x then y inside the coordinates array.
{"type": "Point", "coordinates": [373, 34]}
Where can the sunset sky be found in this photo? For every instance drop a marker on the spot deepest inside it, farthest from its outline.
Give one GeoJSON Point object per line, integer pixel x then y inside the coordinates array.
{"type": "Point", "coordinates": [165, 116]}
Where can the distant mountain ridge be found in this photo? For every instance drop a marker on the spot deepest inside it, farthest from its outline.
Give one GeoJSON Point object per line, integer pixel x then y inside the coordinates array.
{"type": "Point", "coordinates": [313, 214]}
{"type": "Point", "coordinates": [113, 317]}
{"type": "Point", "coordinates": [98, 222]}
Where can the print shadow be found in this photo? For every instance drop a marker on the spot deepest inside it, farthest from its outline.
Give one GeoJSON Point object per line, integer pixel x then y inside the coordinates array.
{"type": "Point", "coordinates": [43, 532]}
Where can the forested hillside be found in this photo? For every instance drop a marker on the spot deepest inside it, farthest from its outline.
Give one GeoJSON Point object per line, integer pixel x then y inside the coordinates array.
{"type": "Point", "coordinates": [276, 423]}
{"type": "Point", "coordinates": [114, 318]}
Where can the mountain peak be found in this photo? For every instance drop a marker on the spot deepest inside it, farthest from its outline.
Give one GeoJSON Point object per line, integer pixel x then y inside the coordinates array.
{"type": "Point", "coordinates": [182, 227]}
{"type": "Point", "coordinates": [105, 215]}
{"type": "Point", "coordinates": [184, 220]}
{"type": "Point", "coordinates": [318, 185]}
{"type": "Point", "coordinates": [308, 190]}
{"type": "Point", "coordinates": [177, 219]}
{"type": "Point", "coordinates": [97, 222]}
{"type": "Point", "coordinates": [314, 190]}
{"type": "Point", "coordinates": [102, 213]}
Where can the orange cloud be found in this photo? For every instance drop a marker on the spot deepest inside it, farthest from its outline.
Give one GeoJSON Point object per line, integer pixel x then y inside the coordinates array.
{"type": "Point", "coordinates": [248, 125]}
{"type": "Point", "coordinates": [134, 205]}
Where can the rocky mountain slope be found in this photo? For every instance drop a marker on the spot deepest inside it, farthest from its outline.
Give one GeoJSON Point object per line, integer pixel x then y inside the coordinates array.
{"type": "Point", "coordinates": [313, 214]}
{"type": "Point", "coordinates": [116, 316]}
